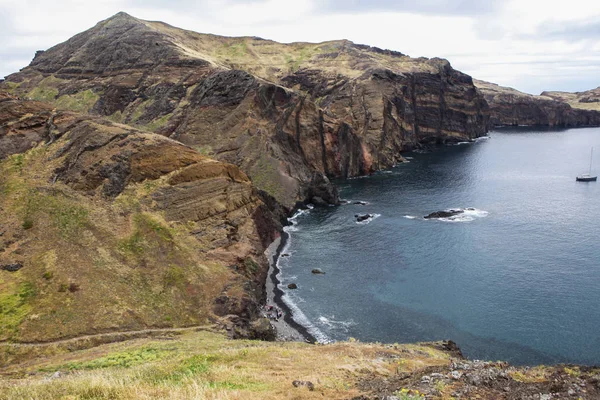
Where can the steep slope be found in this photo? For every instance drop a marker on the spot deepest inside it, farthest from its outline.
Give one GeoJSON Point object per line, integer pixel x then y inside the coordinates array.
{"type": "Point", "coordinates": [511, 107]}
{"type": "Point", "coordinates": [104, 228]}
{"type": "Point", "coordinates": [290, 115]}
{"type": "Point", "coordinates": [588, 100]}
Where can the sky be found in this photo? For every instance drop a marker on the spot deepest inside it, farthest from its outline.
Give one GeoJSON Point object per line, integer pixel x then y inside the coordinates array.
{"type": "Point", "coordinates": [530, 45]}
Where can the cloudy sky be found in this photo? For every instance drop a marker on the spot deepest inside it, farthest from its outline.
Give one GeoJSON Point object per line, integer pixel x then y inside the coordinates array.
{"type": "Point", "coordinates": [527, 44]}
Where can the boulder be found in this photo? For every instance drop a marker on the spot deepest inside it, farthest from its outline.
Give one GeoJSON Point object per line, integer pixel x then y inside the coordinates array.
{"type": "Point", "coordinates": [309, 385]}
{"type": "Point", "coordinates": [292, 286]}
{"type": "Point", "coordinates": [11, 267]}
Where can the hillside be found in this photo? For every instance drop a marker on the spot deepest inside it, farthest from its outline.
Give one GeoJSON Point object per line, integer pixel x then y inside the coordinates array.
{"type": "Point", "coordinates": [205, 365]}
{"type": "Point", "coordinates": [510, 107]}
{"type": "Point", "coordinates": [289, 115]}
{"type": "Point", "coordinates": [105, 228]}
{"type": "Point", "coordinates": [588, 100]}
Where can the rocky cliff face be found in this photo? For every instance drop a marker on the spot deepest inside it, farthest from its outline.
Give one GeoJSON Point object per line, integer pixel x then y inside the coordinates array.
{"type": "Point", "coordinates": [104, 227]}
{"type": "Point", "coordinates": [290, 116]}
{"type": "Point", "coordinates": [510, 107]}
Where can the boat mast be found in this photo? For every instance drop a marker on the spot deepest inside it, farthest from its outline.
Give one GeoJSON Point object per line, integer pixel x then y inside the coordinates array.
{"type": "Point", "coordinates": [591, 158]}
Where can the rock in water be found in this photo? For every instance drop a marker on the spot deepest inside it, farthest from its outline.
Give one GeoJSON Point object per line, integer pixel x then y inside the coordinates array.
{"type": "Point", "coordinates": [364, 217]}
{"type": "Point", "coordinates": [292, 286]}
{"type": "Point", "coordinates": [317, 271]}
{"type": "Point", "coordinates": [443, 214]}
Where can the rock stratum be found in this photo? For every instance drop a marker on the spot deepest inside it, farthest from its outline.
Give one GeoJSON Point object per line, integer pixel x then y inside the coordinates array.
{"type": "Point", "coordinates": [108, 228]}
{"type": "Point", "coordinates": [510, 107]}
{"type": "Point", "coordinates": [291, 116]}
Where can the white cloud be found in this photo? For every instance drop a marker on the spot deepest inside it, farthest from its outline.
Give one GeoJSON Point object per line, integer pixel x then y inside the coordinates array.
{"type": "Point", "coordinates": [528, 44]}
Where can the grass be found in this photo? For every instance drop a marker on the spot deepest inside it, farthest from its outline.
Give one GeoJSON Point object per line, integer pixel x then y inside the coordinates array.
{"type": "Point", "coordinates": [205, 365]}
{"type": "Point", "coordinates": [46, 90]}
{"type": "Point", "coordinates": [265, 176]}
{"type": "Point", "coordinates": [80, 102]}
{"type": "Point", "coordinates": [14, 306]}
{"type": "Point", "coordinates": [158, 123]}
{"type": "Point", "coordinates": [125, 359]}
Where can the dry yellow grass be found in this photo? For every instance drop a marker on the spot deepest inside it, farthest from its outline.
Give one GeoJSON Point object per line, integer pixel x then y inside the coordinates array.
{"type": "Point", "coordinates": [205, 365]}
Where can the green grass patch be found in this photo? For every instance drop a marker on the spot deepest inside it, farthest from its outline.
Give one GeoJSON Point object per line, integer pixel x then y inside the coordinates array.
{"type": "Point", "coordinates": [265, 176]}
{"type": "Point", "coordinates": [124, 359]}
{"type": "Point", "coordinates": [14, 307]}
{"type": "Point", "coordinates": [158, 123]}
{"type": "Point", "coordinates": [204, 150]}
{"type": "Point", "coordinates": [174, 276]}
{"type": "Point", "coordinates": [147, 233]}
{"type": "Point", "coordinates": [79, 102]}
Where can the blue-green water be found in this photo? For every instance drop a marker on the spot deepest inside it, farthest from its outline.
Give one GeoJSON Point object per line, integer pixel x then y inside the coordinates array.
{"type": "Point", "coordinates": [517, 280]}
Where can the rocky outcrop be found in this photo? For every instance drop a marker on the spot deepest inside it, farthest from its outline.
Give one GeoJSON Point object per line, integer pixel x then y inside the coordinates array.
{"type": "Point", "coordinates": [509, 107]}
{"type": "Point", "coordinates": [112, 228]}
{"type": "Point", "coordinates": [443, 214]}
{"type": "Point", "coordinates": [291, 116]}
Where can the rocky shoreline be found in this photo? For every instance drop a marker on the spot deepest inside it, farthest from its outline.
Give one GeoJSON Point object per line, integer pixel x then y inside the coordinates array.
{"type": "Point", "coordinates": [287, 328]}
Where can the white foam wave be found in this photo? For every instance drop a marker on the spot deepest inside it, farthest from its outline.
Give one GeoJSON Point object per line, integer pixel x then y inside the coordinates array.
{"type": "Point", "coordinates": [300, 318]}
{"type": "Point", "coordinates": [331, 323]}
{"type": "Point", "coordinates": [410, 217]}
{"type": "Point", "coordinates": [469, 214]}
{"type": "Point", "coordinates": [482, 138]}
{"type": "Point", "coordinates": [368, 220]}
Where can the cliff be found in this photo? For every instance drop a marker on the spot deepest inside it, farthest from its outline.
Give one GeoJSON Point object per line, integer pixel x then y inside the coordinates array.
{"type": "Point", "coordinates": [289, 115]}
{"type": "Point", "coordinates": [108, 228]}
{"type": "Point", "coordinates": [509, 107]}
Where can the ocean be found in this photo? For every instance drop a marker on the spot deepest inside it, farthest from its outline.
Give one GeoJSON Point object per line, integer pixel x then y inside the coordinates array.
{"type": "Point", "coordinates": [516, 277]}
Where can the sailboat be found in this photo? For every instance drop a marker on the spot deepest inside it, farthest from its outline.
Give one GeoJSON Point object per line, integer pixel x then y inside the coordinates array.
{"type": "Point", "coordinates": [588, 177]}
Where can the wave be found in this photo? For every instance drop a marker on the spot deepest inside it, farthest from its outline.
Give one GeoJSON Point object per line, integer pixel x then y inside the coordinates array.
{"type": "Point", "coordinates": [303, 320]}
{"type": "Point", "coordinates": [410, 217]}
{"type": "Point", "coordinates": [368, 220]}
{"type": "Point", "coordinates": [330, 323]}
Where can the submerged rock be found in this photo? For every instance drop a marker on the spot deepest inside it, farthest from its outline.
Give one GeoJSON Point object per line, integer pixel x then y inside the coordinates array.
{"type": "Point", "coordinates": [292, 286]}
{"type": "Point", "coordinates": [443, 214]}
{"type": "Point", "coordinates": [317, 271]}
{"type": "Point", "coordinates": [360, 203]}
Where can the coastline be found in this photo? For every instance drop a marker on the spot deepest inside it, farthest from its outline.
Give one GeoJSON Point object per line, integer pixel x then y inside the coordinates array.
{"type": "Point", "coordinates": [287, 328]}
